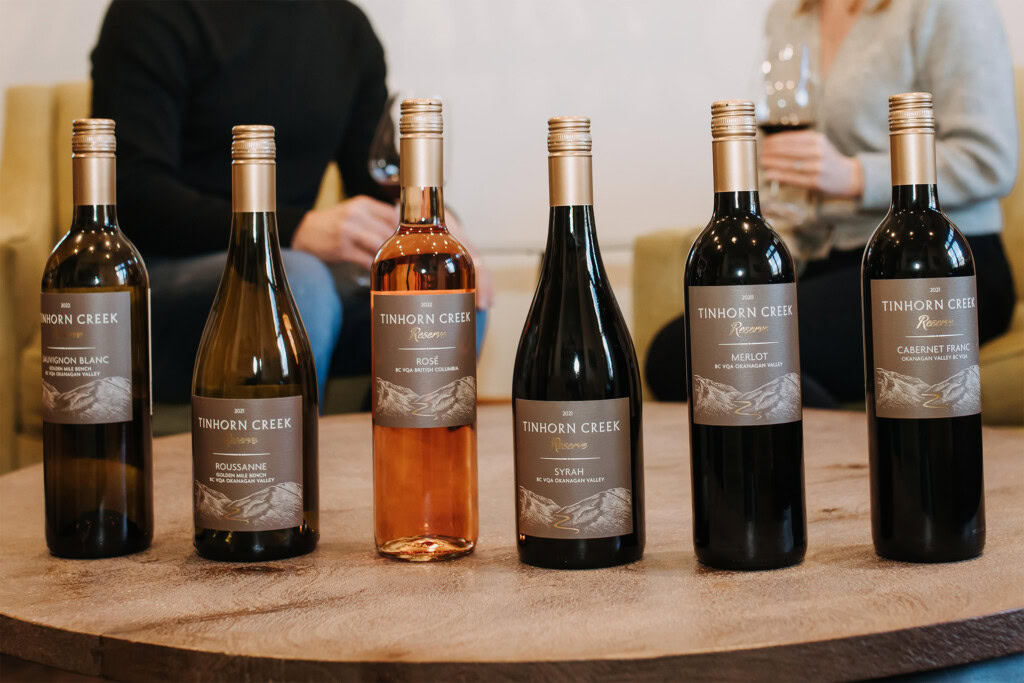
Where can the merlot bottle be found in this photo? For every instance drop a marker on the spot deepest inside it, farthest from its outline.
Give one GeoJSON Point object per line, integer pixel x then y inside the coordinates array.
{"type": "Point", "coordinates": [97, 410]}
{"type": "Point", "coordinates": [423, 301]}
{"type": "Point", "coordinates": [743, 369]}
{"type": "Point", "coordinates": [576, 389]}
{"type": "Point", "coordinates": [254, 389]}
{"type": "Point", "coordinates": [921, 361]}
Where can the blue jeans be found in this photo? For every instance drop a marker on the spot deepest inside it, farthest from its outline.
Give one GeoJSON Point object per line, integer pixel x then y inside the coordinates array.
{"type": "Point", "coordinates": [183, 290]}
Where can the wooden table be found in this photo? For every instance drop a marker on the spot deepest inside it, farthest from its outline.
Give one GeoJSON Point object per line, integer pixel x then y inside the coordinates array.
{"type": "Point", "coordinates": [343, 612]}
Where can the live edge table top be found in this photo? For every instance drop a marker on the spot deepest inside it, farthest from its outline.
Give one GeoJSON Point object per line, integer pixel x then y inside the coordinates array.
{"type": "Point", "coordinates": [343, 612]}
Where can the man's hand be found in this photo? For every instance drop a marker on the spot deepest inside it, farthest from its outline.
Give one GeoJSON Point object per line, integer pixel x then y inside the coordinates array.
{"type": "Point", "coordinates": [351, 231]}
{"type": "Point", "coordinates": [808, 159]}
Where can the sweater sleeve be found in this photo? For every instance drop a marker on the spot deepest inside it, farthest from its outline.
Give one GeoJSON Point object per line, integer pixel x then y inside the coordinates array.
{"type": "Point", "coordinates": [368, 104]}
{"type": "Point", "coordinates": [964, 61]}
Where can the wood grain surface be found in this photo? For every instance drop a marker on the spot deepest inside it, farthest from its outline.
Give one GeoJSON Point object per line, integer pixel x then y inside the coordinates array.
{"type": "Point", "coordinates": [344, 613]}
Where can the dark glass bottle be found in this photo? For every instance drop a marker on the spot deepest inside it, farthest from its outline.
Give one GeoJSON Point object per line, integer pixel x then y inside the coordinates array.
{"type": "Point", "coordinates": [97, 412]}
{"type": "Point", "coordinates": [579, 490]}
{"type": "Point", "coordinates": [742, 366]}
{"type": "Point", "coordinates": [424, 318]}
{"type": "Point", "coordinates": [254, 388]}
{"type": "Point", "coordinates": [921, 362]}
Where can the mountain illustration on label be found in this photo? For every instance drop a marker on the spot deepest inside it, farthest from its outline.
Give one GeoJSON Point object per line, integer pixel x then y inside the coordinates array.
{"type": "Point", "coordinates": [775, 401]}
{"type": "Point", "coordinates": [960, 393]}
{"type": "Point", "coordinates": [108, 399]}
{"type": "Point", "coordinates": [454, 401]}
{"type": "Point", "coordinates": [275, 507]}
{"type": "Point", "coordinates": [608, 513]}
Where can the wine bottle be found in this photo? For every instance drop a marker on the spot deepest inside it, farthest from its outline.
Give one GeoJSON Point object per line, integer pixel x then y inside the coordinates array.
{"type": "Point", "coordinates": [921, 361]}
{"type": "Point", "coordinates": [423, 302]}
{"type": "Point", "coordinates": [743, 369]}
{"type": "Point", "coordinates": [254, 389]}
{"type": "Point", "coordinates": [576, 389]}
{"type": "Point", "coordinates": [97, 411]}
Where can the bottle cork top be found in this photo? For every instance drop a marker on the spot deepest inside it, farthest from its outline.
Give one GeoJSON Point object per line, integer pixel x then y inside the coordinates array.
{"type": "Point", "coordinates": [733, 120]}
{"type": "Point", "coordinates": [569, 136]}
{"type": "Point", "coordinates": [93, 137]}
{"type": "Point", "coordinates": [911, 112]}
{"type": "Point", "coordinates": [253, 144]}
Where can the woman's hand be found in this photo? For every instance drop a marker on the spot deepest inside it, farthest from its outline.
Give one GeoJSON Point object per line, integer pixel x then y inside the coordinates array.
{"type": "Point", "coordinates": [807, 158]}
{"type": "Point", "coordinates": [351, 231]}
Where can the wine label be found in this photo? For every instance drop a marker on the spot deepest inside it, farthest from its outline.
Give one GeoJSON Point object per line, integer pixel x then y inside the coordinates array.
{"type": "Point", "coordinates": [87, 357]}
{"type": "Point", "coordinates": [424, 359]}
{"type": "Point", "coordinates": [247, 463]}
{"type": "Point", "coordinates": [744, 354]}
{"type": "Point", "coordinates": [573, 468]}
{"type": "Point", "coordinates": [924, 334]}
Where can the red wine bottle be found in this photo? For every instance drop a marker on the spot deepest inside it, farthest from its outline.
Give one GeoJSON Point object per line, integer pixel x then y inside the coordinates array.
{"type": "Point", "coordinates": [743, 369]}
{"type": "Point", "coordinates": [922, 375]}
{"type": "Point", "coordinates": [576, 389]}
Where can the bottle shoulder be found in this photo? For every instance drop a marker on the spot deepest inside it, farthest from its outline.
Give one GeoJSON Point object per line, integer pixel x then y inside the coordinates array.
{"type": "Point", "coordinates": [99, 257]}
{"type": "Point", "coordinates": [917, 243]}
{"type": "Point", "coordinates": [738, 250]}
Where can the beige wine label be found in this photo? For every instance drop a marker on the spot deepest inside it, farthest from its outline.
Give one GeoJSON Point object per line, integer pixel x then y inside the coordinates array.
{"type": "Point", "coordinates": [573, 468]}
{"type": "Point", "coordinates": [424, 359]}
{"type": "Point", "coordinates": [87, 357]}
{"type": "Point", "coordinates": [744, 354]}
{"type": "Point", "coordinates": [247, 463]}
{"type": "Point", "coordinates": [924, 334]}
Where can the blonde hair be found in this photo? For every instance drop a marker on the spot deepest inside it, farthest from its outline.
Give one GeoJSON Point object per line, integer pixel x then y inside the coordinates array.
{"type": "Point", "coordinates": [811, 5]}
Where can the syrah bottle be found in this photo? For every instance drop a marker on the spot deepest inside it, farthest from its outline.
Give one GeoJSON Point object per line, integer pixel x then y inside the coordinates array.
{"type": "Point", "coordinates": [921, 361]}
{"type": "Point", "coordinates": [97, 409]}
{"type": "Point", "coordinates": [576, 389]}
{"type": "Point", "coordinates": [743, 369]}
{"type": "Point", "coordinates": [254, 390]}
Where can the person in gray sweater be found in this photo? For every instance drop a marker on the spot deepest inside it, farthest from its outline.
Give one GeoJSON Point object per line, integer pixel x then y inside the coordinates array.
{"type": "Point", "coordinates": [868, 50]}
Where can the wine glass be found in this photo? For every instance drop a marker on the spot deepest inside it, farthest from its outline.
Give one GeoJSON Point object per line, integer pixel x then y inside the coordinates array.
{"type": "Point", "coordinates": [785, 104]}
{"type": "Point", "coordinates": [384, 157]}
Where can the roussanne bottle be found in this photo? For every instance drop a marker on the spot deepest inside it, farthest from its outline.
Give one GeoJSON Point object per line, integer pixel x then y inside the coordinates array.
{"type": "Point", "coordinates": [743, 369]}
{"type": "Point", "coordinates": [423, 303]}
{"type": "Point", "coordinates": [576, 389]}
{"type": "Point", "coordinates": [921, 361]}
{"type": "Point", "coordinates": [254, 389]}
{"type": "Point", "coordinates": [97, 411]}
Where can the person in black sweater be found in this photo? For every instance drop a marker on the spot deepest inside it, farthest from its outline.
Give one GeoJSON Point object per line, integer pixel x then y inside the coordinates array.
{"type": "Point", "coordinates": [176, 75]}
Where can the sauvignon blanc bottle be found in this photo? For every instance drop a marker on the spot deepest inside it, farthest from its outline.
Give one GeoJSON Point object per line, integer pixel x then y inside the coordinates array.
{"type": "Point", "coordinates": [424, 364]}
{"type": "Point", "coordinates": [743, 369]}
{"type": "Point", "coordinates": [97, 411]}
{"type": "Point", "coordinates": [254, 389]}
{"type": "Point", "coordinates": [921, 361]}
{"type": "Point", "coordinates": [576, 389]}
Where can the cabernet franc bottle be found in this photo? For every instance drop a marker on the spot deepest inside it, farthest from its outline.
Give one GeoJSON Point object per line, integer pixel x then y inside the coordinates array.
{"type": "Point", "coordinates": [423, 302]}
{"type": "Point", "coordinates": [743, 369]}
{"type": "Point", "coordinates": [97, 411]}
{"type": "Point", "coordinates": [921, 361]}
{"type": "Point", "coordinates": [576, 389]}
{"type": "Point", "coordinates": [254, 389]}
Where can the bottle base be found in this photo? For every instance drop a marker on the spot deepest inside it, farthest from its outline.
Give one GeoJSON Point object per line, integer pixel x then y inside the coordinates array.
{"type": "Point", "coordinates": [246, 546]}
{"type": "Point", "coordinates": [927, 557]}
{"type": "Point", "coordinates": [747, 564]}
{"type": "Point", "coordinates": [97, 535]}
{"type": "Point", "coordinates": [598, 553]}
{"type": "Point", "coordinates": [426, 548]}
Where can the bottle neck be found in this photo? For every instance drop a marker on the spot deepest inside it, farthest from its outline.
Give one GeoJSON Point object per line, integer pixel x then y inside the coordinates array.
{"type": "Point", "coordinates": [737, 203]}
{"type": "Point", "coordinates": [421, 172]}
{"type": "Point", "coordinates": [735, 165]}
{"type": "Point", "coordinates": [93, 180]}
{"type": "Point", "coordinates": [571, 180]}
{"type": "Point", "coordinates": [254, 250]}
{"type": "Point", "coordinates": [912, 158]}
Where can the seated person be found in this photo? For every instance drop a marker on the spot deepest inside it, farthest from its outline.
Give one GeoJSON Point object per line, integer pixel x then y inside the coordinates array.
{"type": "Point", "coordinates": [869, 50]}
{"type": "Point", "coordinates": [176, 75]}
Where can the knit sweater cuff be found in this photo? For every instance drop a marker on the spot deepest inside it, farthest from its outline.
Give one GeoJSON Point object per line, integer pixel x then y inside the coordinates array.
{"type": "Point", "coordinates": [877, 181]}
